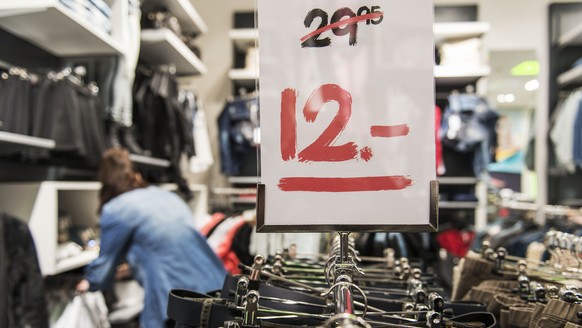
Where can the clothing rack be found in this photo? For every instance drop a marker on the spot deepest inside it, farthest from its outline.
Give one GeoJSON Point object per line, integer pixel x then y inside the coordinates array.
{"type": "Point", "coordinates": [341, 290]}
{"type": "Point", "coordinates": [558, 210]}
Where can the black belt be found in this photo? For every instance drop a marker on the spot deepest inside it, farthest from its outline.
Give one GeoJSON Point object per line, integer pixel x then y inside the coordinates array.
{"type": "Point", "coordinates": [197, 310]}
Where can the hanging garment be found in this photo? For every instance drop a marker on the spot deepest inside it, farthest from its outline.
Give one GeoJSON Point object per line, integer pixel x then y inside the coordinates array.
{"type": "Point", "coordinates": [236, 135]}
{"type": "Point", "coordinates": [16, 97]}
{"type": "Point", "coordinates": [126, 65]}
{"type": "Point", "coordinates": [229, 238]}
{"type": "Point", "coordinates": [440, 164]}
{"type": "Point", "coordinates": [468, 126]}
{"type": "Point", "coordinates": [69, 113]}
{"type": "Point", "coordinates": [562, 132]}
{"type": "Point", "coordinates": [163, 123]}
{"type": "Point", "coordinates": [24, 288]}
{"type": "Point", "coordinates": [203, 158]}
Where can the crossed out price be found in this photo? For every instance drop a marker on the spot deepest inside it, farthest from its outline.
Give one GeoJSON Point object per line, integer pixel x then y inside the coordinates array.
{"type": "Point", "coordinates": [323, 149]}
{"type": "Point", "coordinates": [338, 25]}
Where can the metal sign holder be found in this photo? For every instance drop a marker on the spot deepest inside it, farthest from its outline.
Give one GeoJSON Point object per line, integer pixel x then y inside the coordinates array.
{"type": "Point", "coordinates": [432, 225]}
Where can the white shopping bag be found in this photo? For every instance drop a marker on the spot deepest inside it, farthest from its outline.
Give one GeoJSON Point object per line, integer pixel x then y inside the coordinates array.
{"type": "Point", "coordinates": [86, 310]}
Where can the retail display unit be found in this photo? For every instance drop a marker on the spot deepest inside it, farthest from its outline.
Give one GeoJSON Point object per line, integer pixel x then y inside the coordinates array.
{"type": "Point", "coordinates": [36, 24]}
{"type": "Point", "coordinates": [565, 78]}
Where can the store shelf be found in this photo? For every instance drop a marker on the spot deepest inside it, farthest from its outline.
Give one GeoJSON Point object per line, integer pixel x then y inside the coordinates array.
{"type": "Point", "coordinates": [459, 30]}
{"type": "Point", "coordinates": [149, 161]}
{"type": "Point", "coordinates": [187, 15]}
{"type": "Point", "coordinates": [459, 75]}
{"type": "Point", "coordinates": [244, 77]}
{"type": "Point", "coordinates": [14, 142]}
{"type": "Point", "coordinates": [243, 180]}
{"type": "Point", "coordinates": [458, 205]}
{"type": "Point", "coordinates": [457, 180]}
{"type": "Point", "coordinates": [572, 76]}
{"type": "Point", "coordinates": [244, 38]}
{"type": "Point", "coordinates": [243, 200]}
{"type": "Point", "coordinates": [76, 261]}
{"type": "Point", "coordinates": [39, 204]}
{"type": "Point", "coordinates": [55, 28]}
{"type": "Point", "coordinates": [572, 37]}
{"type": "Point", "coordinates": [163, 47]}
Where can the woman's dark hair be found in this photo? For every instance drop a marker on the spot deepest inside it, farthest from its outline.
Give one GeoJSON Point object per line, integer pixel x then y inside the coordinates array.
{"type": "Point", "coordinates": [117, 175]}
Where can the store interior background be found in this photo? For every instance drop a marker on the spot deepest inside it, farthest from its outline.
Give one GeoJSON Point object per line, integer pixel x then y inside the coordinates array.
{"type": "Point", "coordinates": [516, 25]}
{"type": "Point", "coordinates": [518, 32]}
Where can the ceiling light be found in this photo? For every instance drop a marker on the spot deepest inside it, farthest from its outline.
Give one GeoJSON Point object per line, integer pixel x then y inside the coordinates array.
{"type": "Point", "coordinates": [526, 68]}
{"type": "Point", "coordinates": [510, 97]}
{"type": "Point", "coordinates": [531, 85]}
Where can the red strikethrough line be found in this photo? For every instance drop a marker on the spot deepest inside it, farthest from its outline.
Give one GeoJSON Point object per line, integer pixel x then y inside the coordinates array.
{"type": "Point", "coordinates": [395, 182]}
{"type": "Point", "coordinates": [388, 131]}
{"type": "Point", "coordinates": [343, 22]}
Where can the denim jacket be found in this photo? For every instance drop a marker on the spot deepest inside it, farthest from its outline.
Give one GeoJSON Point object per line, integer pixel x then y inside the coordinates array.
{"type": "Point", "coordinates": [236, 129]}
{"type": "Point", "coordinates": [154, 231]}
{"type": "Point", "coordinates": [468, 125]}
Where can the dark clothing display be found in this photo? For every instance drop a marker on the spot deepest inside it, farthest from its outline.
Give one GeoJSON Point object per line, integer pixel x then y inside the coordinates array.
{"type": "Point", "coordinates": [22, 300]}
{"type": "Point", "coordinates": [96, 12]}
{"type": "Point", "coordinates": [236, 126]}
{"type": "Point", "coordinates": [516, 232]}
{"type": "Point", "coordinates": [509, 302]}
{"type": "Point", "coordinates": [55, 106]}
{"type": "Point", "coordinates": [163, 121]}
{"type": "Point", "coordinates": [468, 127]}
{"type": "Point", "coordinates": [16, 96]}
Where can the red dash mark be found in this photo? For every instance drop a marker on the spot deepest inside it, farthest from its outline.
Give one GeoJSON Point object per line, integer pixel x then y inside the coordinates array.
{"type": "Point", "coordinates": [288, 124]}
{"type": "Point", "coordinates": [396, 182]}
{"type": "Point", "coordinates": [366, 153]}
{"type": "Point", "coordinates": [388, 131]}
{"type": "Point", "coordinates": [352, 20]}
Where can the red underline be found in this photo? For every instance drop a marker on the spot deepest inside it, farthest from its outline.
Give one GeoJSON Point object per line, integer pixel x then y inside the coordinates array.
{"type": "Point", "coordinates": [353, 184]}
{"type": "Point", "coordinates": [343, 22]}
{"type": "Point", "coordinates": [388, 131]}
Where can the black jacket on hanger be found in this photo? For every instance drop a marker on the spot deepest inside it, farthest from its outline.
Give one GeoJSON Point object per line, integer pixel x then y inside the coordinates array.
{"type": "Point", "coordinates": [22, 298]}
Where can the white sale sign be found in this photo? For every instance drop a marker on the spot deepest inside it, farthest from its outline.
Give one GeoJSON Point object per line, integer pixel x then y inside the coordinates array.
{"type": "Point", "coordinates": [346, 115]}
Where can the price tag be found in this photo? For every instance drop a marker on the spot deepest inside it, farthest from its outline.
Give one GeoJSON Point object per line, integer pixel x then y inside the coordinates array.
{"type": "Point", "coordinates": [347, 115]}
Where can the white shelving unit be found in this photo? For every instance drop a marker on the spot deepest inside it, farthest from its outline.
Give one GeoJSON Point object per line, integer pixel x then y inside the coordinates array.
{"type": "Point", "coordinates": [39, 204]}
{"type": "Point", "coordinates": [149, 161]}
{"type": "Point", "coordinates": [55, 28]}
{"type": "Point", "coordinates": [570, 76]}
{"type": "Point", "coordinates": [459, 75]}
{"type": "Point", "coordinates": [245, 77]}
{"type": "Point", "coordinates": [10, 142]}
{"type": "Point", "coordinates": [244, 38]}
{"type": "Point", "coordinates": [187, 15]}
{"type": "Point", "coordinates": [459, 30]}
{"type": "Point", "coordinates": [163, 47]}
{"type": "Point", "coordinates": [480, 206]}
{"type": "Point", "coordinates": [458, 205]}
{"type": "Point", "coordinates": [572, 37]}
{"type": "Point", "coordinates": [444, 75]}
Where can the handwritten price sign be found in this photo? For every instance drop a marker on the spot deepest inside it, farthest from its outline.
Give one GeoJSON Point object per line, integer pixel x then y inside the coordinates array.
{"type": "Point", "coordinates": [347, 104]}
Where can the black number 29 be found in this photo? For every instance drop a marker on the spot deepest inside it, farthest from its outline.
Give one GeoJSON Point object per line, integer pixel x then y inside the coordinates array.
{"type": "Point", "coordinates": [316, 41]}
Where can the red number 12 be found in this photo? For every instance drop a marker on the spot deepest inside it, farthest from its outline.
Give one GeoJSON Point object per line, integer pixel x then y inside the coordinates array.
{"type": "Point", "coordinates": [320, 150]}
